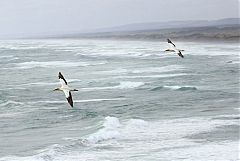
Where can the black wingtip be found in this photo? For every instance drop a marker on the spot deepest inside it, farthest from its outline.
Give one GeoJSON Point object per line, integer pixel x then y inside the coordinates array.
{"type": "Point", "coordinates": [69, 99]}
{"type": "Point", "coordinates": [59, 74]}
{"type": "Point", "coordinates": [180, 54]}
{"type": "Point", "coordinates": [168, 40]}
{"type": "Point", "coordinates": [70, 103]}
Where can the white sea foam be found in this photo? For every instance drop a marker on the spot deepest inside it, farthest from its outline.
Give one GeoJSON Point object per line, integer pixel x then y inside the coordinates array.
{"type": "Point", "coordinates": [10, 102]}
{"type": "Point", "coordinates": [122, 85]}
{"type": "Point", "coordinates": [40, 84]}
{"type": "Point", "coordinates": [128, 84]}
{"type": "Point", "coordinates": [8, 58]}
{"type": "Point", "coordinates": [113, 129]}
{"type": "Point", "coordinates": [133, 139]}
{"type": "Point", "coordinates": [180, 87]}
{"type": "Point", "coordinates": [238, 108]}
{"type": "Point", "coordinates": [11, 114]}
{"type": "Point", "coordinates": [115, 71]}
{"type": "Point", "coordinates": [54, 64]}
{"type": "Point", "coordinates": [14, 88]}
{"type": "Point", "coordinates": [228, 116]}
{"type": "Point", "coordinates": [168, 136]}
{"type": "Point", "coordinates": [168, 68]}
{"type": "Point", "coordinates": [152, 76]}
{"type": "Point", "coordinates": [172, 87]}
{"type": "Point", "coordinates": [110, 131]}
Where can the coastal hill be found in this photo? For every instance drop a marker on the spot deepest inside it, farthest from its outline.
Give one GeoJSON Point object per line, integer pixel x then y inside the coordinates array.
{"type": "Point", "coordinates": [223, 29]}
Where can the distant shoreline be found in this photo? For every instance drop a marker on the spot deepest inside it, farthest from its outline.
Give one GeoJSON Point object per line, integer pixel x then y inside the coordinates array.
{"type": "Point", "coordinates": [226, 33]}
{"type": "Point", "coordinates": [227, 29]}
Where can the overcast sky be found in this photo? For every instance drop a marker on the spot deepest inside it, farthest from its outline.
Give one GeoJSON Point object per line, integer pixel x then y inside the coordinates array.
{"type": "Point", "coordinates": [36, 17]}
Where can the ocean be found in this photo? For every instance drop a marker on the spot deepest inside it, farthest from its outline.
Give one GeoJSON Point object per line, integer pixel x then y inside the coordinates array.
{"type": "Point", "coordinates": [135, 102]}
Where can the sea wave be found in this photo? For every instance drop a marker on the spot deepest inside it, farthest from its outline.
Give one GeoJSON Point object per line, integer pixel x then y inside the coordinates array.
{"type": "Point", "coordinates": [54, 64]}
{"type": "Point", "coordinates": [122, 85]}
{"type": "Point", "coordinates": [8, 57]}
{"type": "Point", "coordinates": [169, 137]}
{"type": "Point", "coordinates": [115, 71]}
{"type": "Point", "coordinates": [180, 88]}
{"type": "Point", "coordinates": [10, 103]}
{"type": "Point", "coordinates": [110, 131]}
{"type": "Point", "coordinates": [151, 76]}
{"type": "Point", "coordinates": [168, 68]}
{"type": "Point", "coordinates": [163, 69]}
{"type": "Point", "coordinates": [114, 129]}
{"type": "Point", "coordinates": [13, 115]}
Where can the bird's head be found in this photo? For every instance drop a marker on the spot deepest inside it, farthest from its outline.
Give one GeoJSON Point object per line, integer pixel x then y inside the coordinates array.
{"type": "Point", "coordinates": [56, 89]}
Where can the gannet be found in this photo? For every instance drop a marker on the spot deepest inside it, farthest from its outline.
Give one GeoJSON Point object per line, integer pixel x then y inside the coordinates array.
{"type": "Point", "coordinates": [65, 88]}
{"type": "Point", "coordinates": [174, 49]}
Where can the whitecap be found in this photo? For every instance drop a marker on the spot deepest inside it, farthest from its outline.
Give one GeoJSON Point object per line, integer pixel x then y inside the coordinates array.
{"type": "Point", "coordinates": [54, 64]}
{"type": "Point", "coordinates": [175, 129]}
{"type": "Point", "coordinates": [114, 129]}
{"type": "Point", "coordinates": [115, 71]}
{"type": "Point", "coordinates": [181, 87]}
{"type": "Point", "coordinates": [110, 131]}
{"type": "Point", "coordinates": [137, 123]}
{"type": "Point", "coordinates": [111, 122]}
{"type": "Point", "coordinates": [8, 58]}
{"type": "Point", "coordinates": [122, 85]}
{"type": "Point", "coordinates": [10, 102]}
{"type": "Point", "coordinates": [152, 76]}
{"type": "Point", "coordinates": [11, 114]}
{"type": "Point", "coordinates": [40, 83]}
{"type": "Point", "coordinates": [128, 84]}
{"type": "Point", "coordinates": [167, 138]}
{"type": "Point", "coordinates": [168, 68]}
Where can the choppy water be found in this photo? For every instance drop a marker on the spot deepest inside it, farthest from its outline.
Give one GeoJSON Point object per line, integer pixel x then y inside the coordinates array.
{"type": "Point", "coordinates": [135, 102]}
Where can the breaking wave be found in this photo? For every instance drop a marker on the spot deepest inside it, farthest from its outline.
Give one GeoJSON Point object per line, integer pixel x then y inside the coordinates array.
{"type": "Point", "coordinates": [54, 64]}
{"type": "Point", "coordinates": [122, 85]}
{"type": "Point", "coordinates": [180, 88]}
{"type": "Point", "coordinates": [171, 136]}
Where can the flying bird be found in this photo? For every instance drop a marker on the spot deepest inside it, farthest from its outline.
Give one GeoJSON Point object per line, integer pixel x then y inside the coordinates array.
{"type": "Point", "coordinates": [174, 49]}
{"type": "Point", "coordinates": [65, 88]}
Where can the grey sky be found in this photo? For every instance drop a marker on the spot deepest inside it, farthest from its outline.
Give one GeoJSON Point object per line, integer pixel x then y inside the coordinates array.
{"type": "Point", "coordinates": [36, 17]}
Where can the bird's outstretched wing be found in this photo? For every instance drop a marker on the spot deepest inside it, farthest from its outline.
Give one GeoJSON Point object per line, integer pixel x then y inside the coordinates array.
{"type": "Point", "coordinates": [170, 50]}
{"type": "Point", "coordinates": [62, 79]}
{"type": "Point", "coordinates": [69, 97]}
{"type": "Point", "coordinates": [180, 54]}
{"type": "Point", "coordinates": [170, 43]}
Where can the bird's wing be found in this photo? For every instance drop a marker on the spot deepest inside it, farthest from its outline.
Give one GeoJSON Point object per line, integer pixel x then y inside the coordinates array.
{"type": "Point", "coordinates": [69, 97]}
{"type": "Point", "coordinates": [180, 54]}
{"type": "Point", "coordinates": [170, 43]}
{"type": "Point", "coordinates": [170, 50]}
{"type": "Point", "coordinates": [62, 79]}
